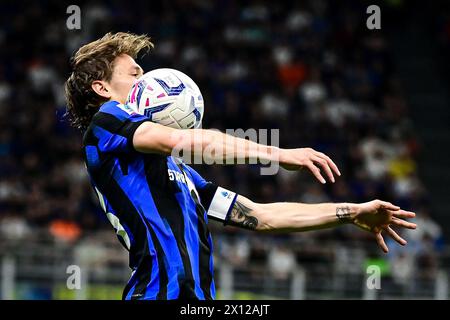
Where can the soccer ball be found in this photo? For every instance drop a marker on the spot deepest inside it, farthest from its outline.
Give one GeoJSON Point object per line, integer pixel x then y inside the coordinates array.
{"type": "Point", "coordinates": [168, 97]}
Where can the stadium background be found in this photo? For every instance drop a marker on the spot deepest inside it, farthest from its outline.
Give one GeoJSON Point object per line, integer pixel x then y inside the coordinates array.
{"type": "Point", "coordinates": [376, 101]}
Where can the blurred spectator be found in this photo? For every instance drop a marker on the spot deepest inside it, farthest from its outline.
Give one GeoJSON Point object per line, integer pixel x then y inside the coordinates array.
{"type": "Point", "coordinates": [14, 227]}
{"type": "Point", "coordinates": [377, 156]}
{"type": "Point", "coordinates": [236, 252]}
{"type": "Point", "coordinates": [402, 269]}
{"type": "Point", "coordinates": [428, 238]}
{"type": "Point", "coordinates": [314, 194]}
{"type": "Point", "coordinates": [281, 262]}
{"type": "Point", "coordinates": [65, 230]}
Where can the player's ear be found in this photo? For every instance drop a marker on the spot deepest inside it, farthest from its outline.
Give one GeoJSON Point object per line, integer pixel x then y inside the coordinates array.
{"type": "Point", "coordinates": [101, 89]}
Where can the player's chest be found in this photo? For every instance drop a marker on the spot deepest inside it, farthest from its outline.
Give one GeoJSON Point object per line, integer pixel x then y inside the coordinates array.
{"type": "Point", "coordinates": [165, 175]}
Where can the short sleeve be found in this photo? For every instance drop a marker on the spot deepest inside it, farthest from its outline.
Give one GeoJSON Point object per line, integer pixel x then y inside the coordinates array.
{"type": "Point", "coordinates": [114, 126]}
{"type": "Point", "coordinates": [217, 201]}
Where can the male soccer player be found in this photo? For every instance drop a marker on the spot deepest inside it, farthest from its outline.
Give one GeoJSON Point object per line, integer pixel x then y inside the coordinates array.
{"type": "Point", "coordinates": [158, 206]}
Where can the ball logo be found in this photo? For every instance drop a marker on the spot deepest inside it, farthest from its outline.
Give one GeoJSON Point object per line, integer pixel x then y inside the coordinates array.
{"type": "Point", "coordinates": [168, 97]}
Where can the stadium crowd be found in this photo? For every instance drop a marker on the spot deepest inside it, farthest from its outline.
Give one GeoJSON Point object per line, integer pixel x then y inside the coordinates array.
{"type": "Point", "coordinates": [310, 69]}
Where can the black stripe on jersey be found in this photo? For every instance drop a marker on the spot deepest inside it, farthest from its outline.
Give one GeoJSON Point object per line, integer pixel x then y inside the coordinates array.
{"type": "Point", "coordinates": [142, 262]}
{"type": "Point", "coordinates": [203, 232]}
{"type": "Point", "coordinates": [145, 269]}
{"type": "Point", "coordinates": [126, 212]}
{"type": "Point", "coordinates": [112, 124]}
{"type": "Point", "coordinates": [206, 194]}
{"type": "Point", "coordinates": [170, 210]}
{"type": "Point", "coordinates": [163, 277]}
{"type": "Point", "coordinates": [143, 275]}
{"type": "Point", "coordinates": [205, 251]}
{"type": "Point", "coordinates": [89, 139]}
{"type": "Point", "coordinates": [120, 201]}
{"type": "Point", "coordinates": [140, 259]}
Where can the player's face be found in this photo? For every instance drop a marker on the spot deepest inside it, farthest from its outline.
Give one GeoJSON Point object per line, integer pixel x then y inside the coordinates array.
{"type": "Point", "coordinates": [125, 72]}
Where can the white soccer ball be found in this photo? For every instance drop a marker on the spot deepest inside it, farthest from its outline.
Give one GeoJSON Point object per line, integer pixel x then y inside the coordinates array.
{"type": "Point", "coordinates": [168, 97]}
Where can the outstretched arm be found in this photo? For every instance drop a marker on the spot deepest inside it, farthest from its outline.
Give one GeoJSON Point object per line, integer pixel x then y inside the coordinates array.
{"type": "Point", "coordinates": [155, 138]}
{"type": "Point", "coordinates": [375, 216]}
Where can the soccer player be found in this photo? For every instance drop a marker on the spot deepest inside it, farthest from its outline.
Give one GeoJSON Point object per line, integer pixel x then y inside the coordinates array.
{"type": "Point", "coordinates": [160, 206]}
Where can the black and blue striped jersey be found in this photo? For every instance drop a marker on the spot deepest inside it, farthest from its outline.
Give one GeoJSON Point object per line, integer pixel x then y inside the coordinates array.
{"type": "Point", "coordinates": [158, 206]}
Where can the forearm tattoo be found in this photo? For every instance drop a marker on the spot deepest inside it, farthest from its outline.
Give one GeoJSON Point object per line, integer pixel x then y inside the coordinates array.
{"type": "Point", "coordinates": [343, 214]}
{"type": "Point", "coordinates": [241, 217]}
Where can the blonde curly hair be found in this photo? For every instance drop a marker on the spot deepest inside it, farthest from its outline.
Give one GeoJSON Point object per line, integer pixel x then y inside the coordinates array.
{"type": "Point", "coordinates": [95, 61]}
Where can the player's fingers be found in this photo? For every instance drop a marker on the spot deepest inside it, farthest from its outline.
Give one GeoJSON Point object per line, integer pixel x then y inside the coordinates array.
{"type": "Point", "coordinates": [404, 214]}
{"type": "Point", "coordinates": [381, 242]}
{"type": "Point", "coordinates": [316, 172]}
{"type": "Point", "coordinates": [395, 236]}
{"type": "Point", "coordinates": [388, 206]}
{"type": "Point", "coordinates": [330, 162]}
{"type": "Point", "coordinates": [324, 164]}
{"type": "Point", "coordinates": [403, 223]}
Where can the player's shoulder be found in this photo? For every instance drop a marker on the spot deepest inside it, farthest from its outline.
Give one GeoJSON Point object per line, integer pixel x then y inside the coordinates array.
{"type": "Point", "coordinates": [114, 108]}
{"type": "Point", "coordinates": [106, 117]}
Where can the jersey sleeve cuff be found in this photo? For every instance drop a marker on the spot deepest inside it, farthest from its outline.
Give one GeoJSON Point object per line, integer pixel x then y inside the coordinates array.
{"type": "Point", "coordinates": [221, 204]}
{"type": "Point", "coordinates": [129, 130]}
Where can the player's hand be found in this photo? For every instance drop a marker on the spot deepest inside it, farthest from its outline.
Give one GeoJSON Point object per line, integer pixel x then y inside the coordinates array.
{"type": "Point", "coordinates": [296, 159]}
{"type": "Point", "coordinates": [377, 216]}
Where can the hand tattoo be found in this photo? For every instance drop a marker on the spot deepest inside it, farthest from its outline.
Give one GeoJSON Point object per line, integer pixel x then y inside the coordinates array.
{"type": "Point", "coordinates": [240, 217]}
{"type": "Point", "coordinates": [343, 214]}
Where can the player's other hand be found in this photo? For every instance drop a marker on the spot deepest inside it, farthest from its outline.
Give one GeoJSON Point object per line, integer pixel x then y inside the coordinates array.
{"type": "Point", "coordinates": [377, 216]}
{"type": "Point", "coordinates": [316, 162]}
